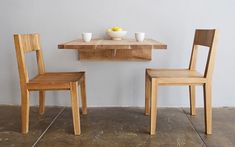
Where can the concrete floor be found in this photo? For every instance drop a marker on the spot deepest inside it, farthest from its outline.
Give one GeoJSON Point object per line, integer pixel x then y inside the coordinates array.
{"type": "Point", "coordinates": [117, 127]}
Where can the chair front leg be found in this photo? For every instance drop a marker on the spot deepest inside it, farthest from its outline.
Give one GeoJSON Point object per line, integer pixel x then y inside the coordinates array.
{"type": "Point", "coordinates": [147, 93]}
{"type": "Point", "coordinates": [153, 113]}
{"type": "Point", "coordinates": [24, 111]}
{"type": "Point", "coordinates": [41, 102]}
{"type": "Point", "coordinates": [75, 108]}
{"type": "Point", "coordinates": [192, 96]}
{"type": "Point", "coordinates": [207, 108]}
{"type": "Point", "coordinates": [83, 94]}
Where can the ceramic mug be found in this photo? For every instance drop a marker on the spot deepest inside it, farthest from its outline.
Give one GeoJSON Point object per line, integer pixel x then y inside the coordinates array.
{"type": "Point", "coordinates": [86, 37]}
{"type": "Point", "coordinates": [139, 36]}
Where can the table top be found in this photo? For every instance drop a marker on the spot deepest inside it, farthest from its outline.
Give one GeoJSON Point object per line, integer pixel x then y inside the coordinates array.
{"type": "Point", "coordinates": [113, 44]}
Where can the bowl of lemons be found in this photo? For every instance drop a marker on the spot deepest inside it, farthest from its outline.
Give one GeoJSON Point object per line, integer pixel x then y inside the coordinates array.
{"type": "Point", "coordinates": [116, 33]}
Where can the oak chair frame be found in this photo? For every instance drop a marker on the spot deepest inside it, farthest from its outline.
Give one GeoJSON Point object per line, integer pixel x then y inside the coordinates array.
{"type": "Point", "coordinates": [190, 77]}
{"type": "Point", "coordinates": [25, 43]}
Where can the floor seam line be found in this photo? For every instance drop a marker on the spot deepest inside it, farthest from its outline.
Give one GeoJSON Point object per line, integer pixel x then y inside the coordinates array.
{"type": "Point", "coordinates": [191, 123]}
{"type": "Point", "coordinates": [44, 132]}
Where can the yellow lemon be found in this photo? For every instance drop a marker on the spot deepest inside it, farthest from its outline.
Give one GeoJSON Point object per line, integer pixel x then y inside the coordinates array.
{"type": "Point", "coordinates": [109, 30]}
{"type": "Point", "coordinates": [116, 29]}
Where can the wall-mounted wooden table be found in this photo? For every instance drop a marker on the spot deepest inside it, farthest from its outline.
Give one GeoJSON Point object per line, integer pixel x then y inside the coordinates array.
{"type": "Point", "coordinates": [127, 49]}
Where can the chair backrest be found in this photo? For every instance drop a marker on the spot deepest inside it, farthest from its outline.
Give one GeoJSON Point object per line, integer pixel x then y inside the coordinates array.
{"type": "Point", "coordinates": [207, 38]}
{"type": "Point", "coordinates": [25, 43]}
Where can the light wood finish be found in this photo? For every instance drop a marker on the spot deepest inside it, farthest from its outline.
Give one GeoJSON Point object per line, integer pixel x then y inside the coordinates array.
{"type": "Point", "coordinates": [154, 88]}
{"type": "Point", "coordinates": [30, 42]}
{"type": "Point", "coordinates": [112, 44]}
{"type": "Point", "coordinates": [25, 111]}
{"type": "Point", "coordinates": [83, 95]}
{"type": "Point", "coordinates": [192, 99]}
{"type": "Point", "coordinates": [190, 77]}
{"type": "Point", "coordinates": [118, 54]}
{"type": "Point", "coordinates": [75, 107]}
{"type": "Point", "coordinates": [45, 81]}
{"type": "Point", "coordinates": [192, 88]}
{"type": "Point", "coordinates": [127, 49]}
{"type": "Point", "coordinates": [41, 102]}
{"type": "Point", "coordinates": [147, 94]}
{"type": "Point", "coordinates": [207, 107]}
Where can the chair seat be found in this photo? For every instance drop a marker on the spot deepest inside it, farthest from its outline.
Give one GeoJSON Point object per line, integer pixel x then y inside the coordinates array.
{"type": "Point", "coordinates": [173, 73]}
{"type": "Point", "coordinates": [58, 77]}
{"type": "Point", "coordinates": [55, 80]}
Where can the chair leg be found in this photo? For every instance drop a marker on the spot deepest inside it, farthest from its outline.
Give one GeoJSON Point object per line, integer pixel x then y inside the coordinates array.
{"type": "Point", "coordinates": [192, 95]}
{"type": "Point", "coordinates": [207, 108]}
{"type": "Point", "coordinates": [147, 94]}
{"type": "Point", "coordinates": [41, 102]}
{"type": "Point", "coordinates": [153, 113]}
{"type": "Point", "coordinates": [24, 111]}
{"type": "Point", "coordinates": [75, 108]}
{"type": "Point", "coordinates": [83, 94]}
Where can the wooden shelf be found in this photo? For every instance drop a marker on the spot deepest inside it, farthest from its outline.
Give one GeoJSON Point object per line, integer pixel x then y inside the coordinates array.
{"type": "Point", "coordinates": [127, 49]}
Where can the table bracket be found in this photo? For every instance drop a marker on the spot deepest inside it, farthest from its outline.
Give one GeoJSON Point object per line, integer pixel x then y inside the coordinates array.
{"type": "Point", "coordinates": [115, 52]}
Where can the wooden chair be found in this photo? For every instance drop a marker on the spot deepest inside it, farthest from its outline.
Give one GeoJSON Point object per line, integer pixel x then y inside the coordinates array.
{"type": "Point", "coordinates": [46, 81]}
{"type": "Point", "coordinates": [190, 77]}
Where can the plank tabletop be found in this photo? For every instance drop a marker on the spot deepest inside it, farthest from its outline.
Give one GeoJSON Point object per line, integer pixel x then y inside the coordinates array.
{"type": "Point", "coordinates": [113, 44]}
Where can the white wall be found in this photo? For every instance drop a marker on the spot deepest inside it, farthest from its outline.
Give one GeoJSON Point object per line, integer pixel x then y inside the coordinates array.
{"type": "Point", "coordinates": [118, 83]}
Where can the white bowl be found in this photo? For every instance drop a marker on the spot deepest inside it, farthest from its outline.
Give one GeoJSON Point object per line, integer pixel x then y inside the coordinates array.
{"type": "Point", "coordinates": [117, 35]}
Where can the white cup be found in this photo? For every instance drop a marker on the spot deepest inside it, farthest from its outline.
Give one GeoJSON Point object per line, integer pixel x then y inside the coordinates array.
{"type": "Point", "coordinates": [139, 36]}
{"type": "Point", "coordinates": [86, 37]}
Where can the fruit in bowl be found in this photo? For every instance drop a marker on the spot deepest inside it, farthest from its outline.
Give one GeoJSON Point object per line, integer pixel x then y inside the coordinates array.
{"type": "Point", "coordinates": [116, 33]}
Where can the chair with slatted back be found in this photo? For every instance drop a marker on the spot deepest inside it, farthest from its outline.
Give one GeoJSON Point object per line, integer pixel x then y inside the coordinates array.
{"type": "Point", "coordinates": [46, 81]}
{"type": "Point", "coordinates": [190, 77]}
